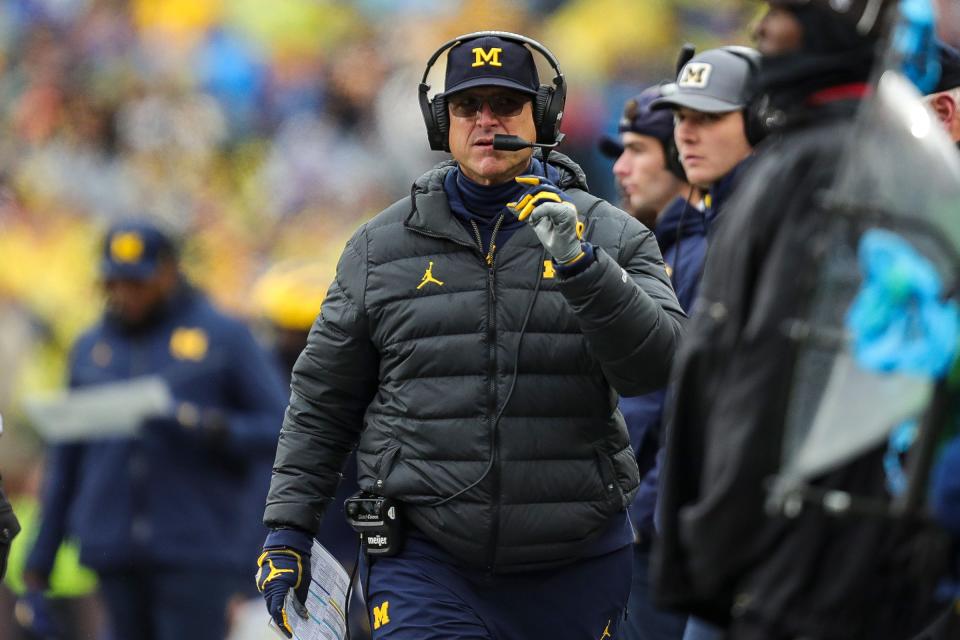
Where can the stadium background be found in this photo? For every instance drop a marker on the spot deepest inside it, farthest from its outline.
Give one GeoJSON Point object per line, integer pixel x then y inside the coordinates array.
{"type": "Point", "coordinates": [261, 131]}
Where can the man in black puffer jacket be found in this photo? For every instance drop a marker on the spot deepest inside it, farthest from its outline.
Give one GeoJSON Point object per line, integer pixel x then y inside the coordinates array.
{"type": "Point", "coordinates": [476, 353]}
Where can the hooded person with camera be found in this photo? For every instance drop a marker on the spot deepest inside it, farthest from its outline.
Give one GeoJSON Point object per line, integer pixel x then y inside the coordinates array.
{"type": "Point", "coordinates": [722, 555]}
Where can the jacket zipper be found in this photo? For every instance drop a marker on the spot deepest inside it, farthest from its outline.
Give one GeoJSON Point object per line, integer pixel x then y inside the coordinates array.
{"type": "Point", "coordinates": [493, 239]}
{"type": "Point", "coordinates": [490, 259]}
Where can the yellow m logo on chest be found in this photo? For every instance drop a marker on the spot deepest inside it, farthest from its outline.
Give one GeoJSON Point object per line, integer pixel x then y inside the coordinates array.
{"type": "Point", "coordinates": [491, 57]}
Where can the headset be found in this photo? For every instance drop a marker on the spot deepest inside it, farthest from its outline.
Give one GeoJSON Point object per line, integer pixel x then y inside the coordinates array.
{"type": "Point", "coordinates": [670, 151]}
{"type": "Point", "coordinates": [754, 111]}
{"type": "Point", "coordinates": [672, 158]}
{"type": "Point", "coordinates": [547, 105]}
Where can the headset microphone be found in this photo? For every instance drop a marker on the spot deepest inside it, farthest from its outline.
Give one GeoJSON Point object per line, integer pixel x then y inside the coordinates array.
{"type": "Point", "coordinates": [503, 142]}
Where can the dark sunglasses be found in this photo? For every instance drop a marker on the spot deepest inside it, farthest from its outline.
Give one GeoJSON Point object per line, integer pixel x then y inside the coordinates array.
{"type": "Point", "coordinates": [502, 105]}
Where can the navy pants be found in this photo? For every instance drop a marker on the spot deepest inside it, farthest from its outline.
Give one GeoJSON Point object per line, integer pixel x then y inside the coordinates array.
{"type": "Point", "coordinates": [167, 604]}
{"type": "Point", "coordinates": [645, 621]}
{"type": "Point", "coordinates": [423, 594]}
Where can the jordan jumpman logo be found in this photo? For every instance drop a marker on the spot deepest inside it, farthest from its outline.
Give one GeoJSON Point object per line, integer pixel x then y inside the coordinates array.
{"type": "Point", "coordinates": [428, 278]}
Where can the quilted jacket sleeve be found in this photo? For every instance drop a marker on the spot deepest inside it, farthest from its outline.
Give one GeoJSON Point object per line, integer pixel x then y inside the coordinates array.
{"type": "Point", "coordinates": [333, 382]}
{"type": "Point", "coordinates": [627, 309]}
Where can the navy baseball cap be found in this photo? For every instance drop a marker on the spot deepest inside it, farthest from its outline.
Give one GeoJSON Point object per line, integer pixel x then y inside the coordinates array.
{"type": "Point", "coordinates": [715, 81]}
{"type": "Point", "coordinates": [133, 250]}
{"type": "Point", "coordinates": [639, 118]}
{"type": "Point", "coordinates": [491, 61]}
{"type": "Point", "coordinates": [949, 68]}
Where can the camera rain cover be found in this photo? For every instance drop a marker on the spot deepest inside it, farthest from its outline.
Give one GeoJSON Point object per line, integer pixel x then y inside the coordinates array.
{"type": "Point", "coordinates": [880, 329]}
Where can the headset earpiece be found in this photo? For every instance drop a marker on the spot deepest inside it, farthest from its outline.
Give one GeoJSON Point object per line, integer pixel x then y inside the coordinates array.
{"type": "Point", "coordinates": [548, 110]}
{"type": "Point", "coordinates": [540, 105]}
{"type": "Point", "coordinates": [672, 159]}
{"type": "Point", "coordinates": [441, 119]}
{"type": "Point", "coordinates": [754, 122]}
{"type": "Point", "coordinates": [436, 135]}
{"type": "Point", "coordinates": [547, 104]}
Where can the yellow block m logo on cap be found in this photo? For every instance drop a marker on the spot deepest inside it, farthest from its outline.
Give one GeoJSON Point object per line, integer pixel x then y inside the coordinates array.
{"type": "Point", "coordinates": [695, 75]}
{"type": "Point", "coordinates": [126, 247]}
{"type": "Point", "coordinates": [381, 615]}
{"type": "Point", "coordinates": [491, 57]}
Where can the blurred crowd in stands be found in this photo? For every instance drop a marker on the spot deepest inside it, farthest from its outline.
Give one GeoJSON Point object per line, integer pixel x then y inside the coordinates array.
{"type": "Point", "coordinates": [261, 131]}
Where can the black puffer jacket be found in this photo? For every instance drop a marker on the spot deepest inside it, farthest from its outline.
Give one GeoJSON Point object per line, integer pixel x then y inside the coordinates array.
{"type": "Point", "coordinates": [423, 368]}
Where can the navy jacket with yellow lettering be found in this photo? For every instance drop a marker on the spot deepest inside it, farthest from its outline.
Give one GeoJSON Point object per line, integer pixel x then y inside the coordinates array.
{"type": "Point", "coordinates": [418, 347]}
{"type": "Point", "coordinates": [171, 497]}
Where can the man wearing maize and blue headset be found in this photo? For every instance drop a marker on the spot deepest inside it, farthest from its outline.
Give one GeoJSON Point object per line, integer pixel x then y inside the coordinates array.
{"type": "Point", "coordinates": [472, 346]}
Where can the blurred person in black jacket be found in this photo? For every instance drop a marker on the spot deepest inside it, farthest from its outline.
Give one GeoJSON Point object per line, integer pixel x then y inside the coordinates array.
{"type": "Point", "coordinates": [720, 556]}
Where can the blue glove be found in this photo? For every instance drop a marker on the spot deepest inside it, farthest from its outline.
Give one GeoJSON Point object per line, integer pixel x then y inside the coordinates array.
{"type": "Point", "coordinates": [284, 566]}
{"type": "Point", "coordinates": [34, 614]}
{"type": "Point", "coordinates": [553, 217]}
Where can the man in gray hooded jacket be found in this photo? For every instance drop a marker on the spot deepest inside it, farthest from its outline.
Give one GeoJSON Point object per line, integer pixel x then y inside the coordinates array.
{"type": "Point", "coordinates": [473, 346]}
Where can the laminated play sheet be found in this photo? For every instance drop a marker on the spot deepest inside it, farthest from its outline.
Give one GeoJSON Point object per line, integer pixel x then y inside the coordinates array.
{"type": "Point", "coordinates": [325, 611]}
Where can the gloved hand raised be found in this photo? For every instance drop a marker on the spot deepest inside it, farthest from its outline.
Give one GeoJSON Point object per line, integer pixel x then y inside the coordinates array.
{"type": "Point", "coordinates": [284, 566]}
{"type": "Point", "coordinates": [552, 216]}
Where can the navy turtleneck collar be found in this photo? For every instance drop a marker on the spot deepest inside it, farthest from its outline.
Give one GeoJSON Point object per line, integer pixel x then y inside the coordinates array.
{"type": "Point", "coordinates": [470, 200]}
{"type": "Point", "coordinates": [722, 189]}
{"type": "Point", "coordinates": [679, 220]}
{"type": "Point", "coordinates": [476, 203]}
{"type": "Point", "coordinates": [483, 201]}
